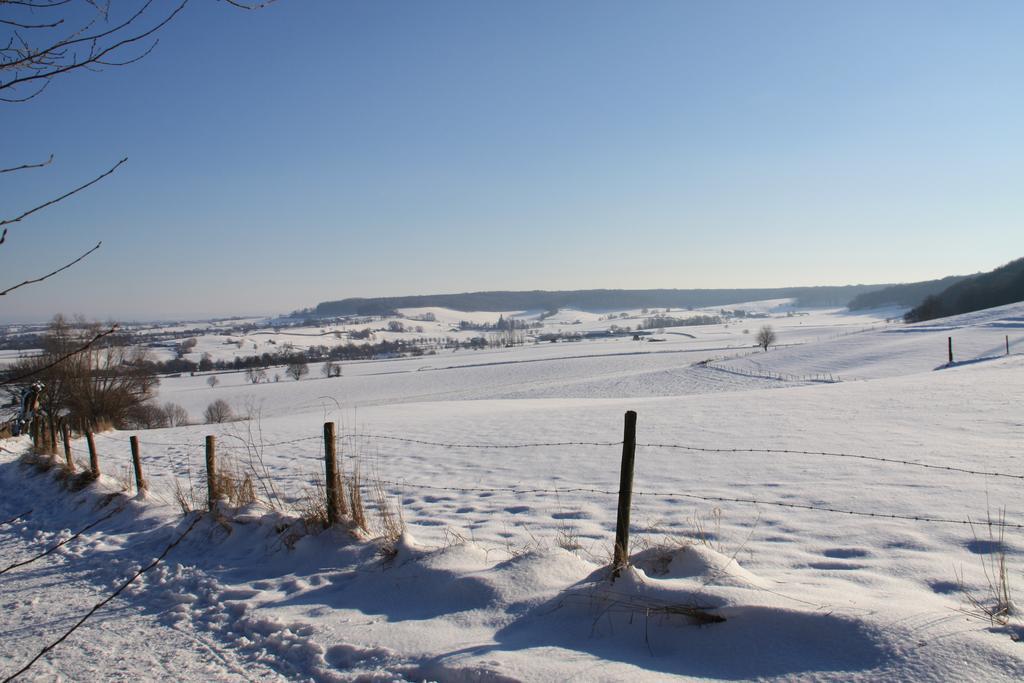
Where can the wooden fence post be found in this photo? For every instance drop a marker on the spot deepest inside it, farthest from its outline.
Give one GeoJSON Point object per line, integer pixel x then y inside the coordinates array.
{"type": "Point", "coordinates": [331, 472]}
{"type": "Point", "coordinates": [140, 483]}
{"type": "Point", "coordinates": [65, 435]}
{"type": "Point", "coordinates": [53, 436]}
{"type": "Point", "coordinates": [36, 428]}
{"type": "Point", "coordinates": [950, 349]}
{"type": "Point", "coordinates": [621, 556]}
{"type": "Point", "coordinates": [94, 459]}
{"type": "Point", "coordinates": [211, 472]}
{"type": "Point", "coordinates": [1007, 345]}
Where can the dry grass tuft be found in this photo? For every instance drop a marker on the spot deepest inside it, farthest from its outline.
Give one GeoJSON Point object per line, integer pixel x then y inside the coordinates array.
{"type": "Point", "coordinates": [354, 485]}
{"type": "Point", "coordinates": [185, 497]}
{"type": "Point", "coordinates": [392, 526]}
{"type": "Point", "coordinates": [313, 506]}
{"type": "Point", "coordinates": [235, 486]}
{"type": "Point", "coordinates": [995, 604]}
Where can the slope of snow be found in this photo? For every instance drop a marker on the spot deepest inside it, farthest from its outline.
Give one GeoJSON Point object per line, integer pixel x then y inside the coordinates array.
{"type": "Point", "coordinates": [501, 574]}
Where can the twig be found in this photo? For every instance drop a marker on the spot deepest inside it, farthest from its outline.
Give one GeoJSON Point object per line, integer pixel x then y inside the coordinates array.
{"type": "Point", "coordinates": [49, 275]}
{"type": "Point", "coordinates": [18, 378]}
{"type": "Point", "coordinates": [64, 196]}
{"type": "Point", "coordinates": [25, 166]}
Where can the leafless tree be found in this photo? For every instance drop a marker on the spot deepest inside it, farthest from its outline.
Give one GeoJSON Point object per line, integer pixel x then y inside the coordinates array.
{"type": "Point", "coordinates": [256, 375]}
{"type": "Point", "coordinates": [89, 382]}
{"type": "Point", "coordinates": [44, 41]}
{"type": "Point", "coordinates": [212, 381]}
{"type": "Point", "coordinates": [176, 415]}
{"type": "Point", "coordinates": [218, 411]}
{"type": "Point", "coordinates": [766, 337]}
{"type": "Point", "coordinates": [297, 369]}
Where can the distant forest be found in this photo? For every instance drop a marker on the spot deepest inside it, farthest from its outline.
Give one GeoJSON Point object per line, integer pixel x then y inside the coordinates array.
{"type": "Point", "coordinates": [907, 295]}
{"type": "Point", "coordinates": [596, 300]}
{"type": "Point", "coordinates": [1004, 285]}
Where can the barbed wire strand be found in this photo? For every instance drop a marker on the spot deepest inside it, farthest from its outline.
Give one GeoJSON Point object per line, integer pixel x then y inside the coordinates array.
{"type": "Point", "coordinates": [482, 446]}
{"type": "Point", "coordinates": [15, 518]}
{"type": "Point", "coordinates": [103, 602]}
{"type": "Point", "coordinates": [62, 543]}
{"type": "Point", "coordinates": [556, 444]}
{"type": "Point", "coordinates": [693, 496]}
{"type": "Point", "coordinates": [832, 454]}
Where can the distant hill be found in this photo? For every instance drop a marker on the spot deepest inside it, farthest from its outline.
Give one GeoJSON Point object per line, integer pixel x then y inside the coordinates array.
{"type": "Point", "coordinates": [594, 299]}
{"type": "Point", "coordinates": [907, 295]}
{"type": "Point", "coordinates": [1004, 285]}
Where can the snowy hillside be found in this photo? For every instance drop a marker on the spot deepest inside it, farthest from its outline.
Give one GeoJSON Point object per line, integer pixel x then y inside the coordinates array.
{"type": "Point", "coordinates": [816, 511]}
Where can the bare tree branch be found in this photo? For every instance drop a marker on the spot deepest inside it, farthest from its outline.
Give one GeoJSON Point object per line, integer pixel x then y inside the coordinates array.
{"type": "Point", "coordinates": [51, 67]}
{"type": "Point", "coordinates": [85, 347]}
{"type": "Point", "coordinates": [24, 166]}
{"type": "Point", "coordinates": [49, 275]}
{"type": "Point", "coordinates": [18, 24]}
{"type": "Point", "coordinates": [60, 198]}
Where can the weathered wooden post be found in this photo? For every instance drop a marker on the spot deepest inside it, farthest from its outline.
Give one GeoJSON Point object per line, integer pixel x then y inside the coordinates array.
{"type": "Point", "coordinates": [621, 555]}
{"type": "Point", "coordinates": [140, 482]}
{"type": "Point", "coordinates": [211, 472]}
{"type": "Point", "coordinates": [36, 428]}
{"type": "Point", "coordinates": [334, 508]}
{"type": "Point", "coordinates": [65, 435]}
{"type": "Point", "coordinates": [950, 349]}
{"type": "Point", "coordinates": [53, 436]}
{"type": "Point", "coordinates": [94, 459]}
{"type": "Point", "coordinates": [1007, 345]}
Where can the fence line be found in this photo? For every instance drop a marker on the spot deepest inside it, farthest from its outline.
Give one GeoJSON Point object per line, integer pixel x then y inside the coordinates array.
{"type": "Point", "coordinates": [875, 458]}
{"type": "Point", "coordinates": [526, 490]}
{"type": "Point", "coordinates": [355, 436]}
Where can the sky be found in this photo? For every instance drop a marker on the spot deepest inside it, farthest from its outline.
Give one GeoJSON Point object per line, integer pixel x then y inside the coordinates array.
{"type": "Point", "coordinates": [320, 149]}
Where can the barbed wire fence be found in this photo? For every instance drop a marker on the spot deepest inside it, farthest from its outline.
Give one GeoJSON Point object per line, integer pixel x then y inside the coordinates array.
{"type": "Point", "coordinates": [329, 442]}
{"type": "Point", "coordinates": [234, 445]}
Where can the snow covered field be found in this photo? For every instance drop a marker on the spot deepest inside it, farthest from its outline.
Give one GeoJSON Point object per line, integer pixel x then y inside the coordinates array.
{"type": "Point", "coordinates": [501, 573]}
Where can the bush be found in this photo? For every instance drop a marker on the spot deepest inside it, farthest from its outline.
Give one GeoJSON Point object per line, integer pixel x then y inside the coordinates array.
{"type": "Point", "coordinates": [297, 369]}
{"type": "Point", "coordinates": [218, 411]}
{"type": "Point", "coordinates": [766, 337]}
{"type": "Point", "coordinates": [175, 414]}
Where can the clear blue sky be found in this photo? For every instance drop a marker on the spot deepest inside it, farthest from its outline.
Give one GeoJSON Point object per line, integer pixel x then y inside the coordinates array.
{"type": "Point", "coordinates": [322, 149]}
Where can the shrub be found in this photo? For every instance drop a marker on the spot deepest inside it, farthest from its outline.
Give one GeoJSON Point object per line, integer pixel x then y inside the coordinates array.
{"type": "Point", "coordinates": [297, 369]}
{"type": "Point", "coordinates": [218, 411]}
{"type": "Point", "coordinates": [175, 414]}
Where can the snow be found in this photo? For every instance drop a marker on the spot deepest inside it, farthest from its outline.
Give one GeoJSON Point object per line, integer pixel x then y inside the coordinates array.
{"type": "Point", "coordinates": [502, 573]}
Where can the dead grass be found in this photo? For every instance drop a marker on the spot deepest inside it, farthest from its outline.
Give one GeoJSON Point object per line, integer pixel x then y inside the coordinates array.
{"type": "Point", "coordinates": [184, 496]}
{"type": "Point", "coordinates": [389, 516]}
{"type": "Point", "coordinates": [994, 603]}
{"type": "Point", "coordinates": [313, 505]}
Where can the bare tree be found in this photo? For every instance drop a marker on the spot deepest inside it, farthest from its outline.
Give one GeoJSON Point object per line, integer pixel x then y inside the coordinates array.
{"type": "Point", "coordinates": [212, 381]}
{"type": "Point", "coordinates": [43, 41]}
{"type": "Point", "coordinates": [91, 378]}
{"type": "Point", "coordinates": [297, 369]}
{"type": "Point", "coordinates": [176, 415]}
{"type": "Point", "coordinates": [256, 375]}
{"type": "Point", "coordinates": [331, 369]}
{"type": "Point", "coordinates": [218, 411]}
{"type": "Point", "coordinates": [765, 337]}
